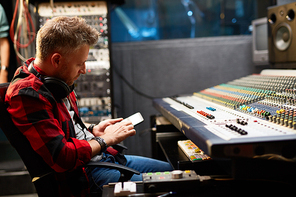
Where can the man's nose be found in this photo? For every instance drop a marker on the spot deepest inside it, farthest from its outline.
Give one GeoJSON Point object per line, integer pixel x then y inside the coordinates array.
{"type": "Point", "coordinates": [83, 69]}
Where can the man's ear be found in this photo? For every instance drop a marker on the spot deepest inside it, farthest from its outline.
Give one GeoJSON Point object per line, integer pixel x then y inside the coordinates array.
{"type": "Point", "coordinates": [56, 60]}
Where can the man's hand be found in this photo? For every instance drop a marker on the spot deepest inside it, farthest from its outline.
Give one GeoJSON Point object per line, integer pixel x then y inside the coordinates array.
{"type": "Point", "coordinates": [113, 134]}
{"type": "Point", "coordinates": [118, 132]}
{"type": "Point", "coordinates": [99, 129]}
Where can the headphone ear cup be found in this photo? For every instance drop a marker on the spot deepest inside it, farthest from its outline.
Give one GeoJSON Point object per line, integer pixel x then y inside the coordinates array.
{"type": "Point", "coordinates": [57, 87]}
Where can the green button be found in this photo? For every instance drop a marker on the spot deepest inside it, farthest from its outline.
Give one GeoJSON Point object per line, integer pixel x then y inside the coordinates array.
{"type": "Point", "coordinates": [158, 173]}
{"type": "Point", "coordinates": [149, 173]}
{"type": "Point", "coordinates": [166, 172]}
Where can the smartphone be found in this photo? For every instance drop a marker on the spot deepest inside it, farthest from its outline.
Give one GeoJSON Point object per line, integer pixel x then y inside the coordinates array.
{"type": "Point", "coordinates": [136, 118]}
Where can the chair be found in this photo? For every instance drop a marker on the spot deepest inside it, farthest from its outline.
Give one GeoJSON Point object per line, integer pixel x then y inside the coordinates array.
{"type": "Point", "coordinates": [39, 171]}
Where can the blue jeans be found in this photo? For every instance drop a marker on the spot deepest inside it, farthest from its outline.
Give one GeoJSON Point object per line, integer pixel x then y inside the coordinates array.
{"type": "Point", "coordinates": [102, 176]}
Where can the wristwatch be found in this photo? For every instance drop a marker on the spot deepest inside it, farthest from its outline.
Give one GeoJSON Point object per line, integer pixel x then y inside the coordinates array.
{"type": "Point", "coordinates": [102, 143]}
{"type": "Point", "coordinates": [4, 68]}
{"type": "Point", "coordinates": [91, 127]}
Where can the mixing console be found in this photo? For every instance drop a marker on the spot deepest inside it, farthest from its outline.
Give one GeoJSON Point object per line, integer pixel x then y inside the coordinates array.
{"type": "Point", "coordinates": [251, 116]}
{"type": "Point", "coordinates": [267, 97]}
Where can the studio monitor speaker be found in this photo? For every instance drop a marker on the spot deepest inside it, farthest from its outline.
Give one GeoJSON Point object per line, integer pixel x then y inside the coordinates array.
{"type": "Point", "coordinates": [282, 34]}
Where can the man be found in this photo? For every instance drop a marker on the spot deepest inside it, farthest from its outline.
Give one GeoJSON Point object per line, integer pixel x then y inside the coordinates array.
{"type": "Point", "coordinates": [50, 121]}
{"type": "Point", "coordinates": [4, 46]}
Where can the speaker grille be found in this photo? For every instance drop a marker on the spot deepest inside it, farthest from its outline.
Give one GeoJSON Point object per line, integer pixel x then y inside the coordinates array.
{"type": "Point", "coordinates": [283, 37]}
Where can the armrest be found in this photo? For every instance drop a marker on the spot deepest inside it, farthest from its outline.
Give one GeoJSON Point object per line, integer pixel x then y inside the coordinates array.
{"type": "Point", "coordinates": [126, 173]}
{"type": "Point", "coordinates": [119, 147]}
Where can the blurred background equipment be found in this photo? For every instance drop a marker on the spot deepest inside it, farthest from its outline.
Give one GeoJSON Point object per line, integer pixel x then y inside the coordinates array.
{"type": "Point", "coordinates": [94, 88]}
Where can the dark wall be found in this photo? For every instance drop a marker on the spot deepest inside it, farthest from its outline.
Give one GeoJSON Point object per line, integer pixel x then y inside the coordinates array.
{"type": "Point", "coordinates": [171, 67]}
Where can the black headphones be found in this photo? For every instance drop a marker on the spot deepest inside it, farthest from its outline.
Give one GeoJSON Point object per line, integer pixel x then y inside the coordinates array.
{"type": "Point", "coordinates": [57, 87]}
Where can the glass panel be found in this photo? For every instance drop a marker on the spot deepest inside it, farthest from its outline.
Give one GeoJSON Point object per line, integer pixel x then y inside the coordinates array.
{"type": "Point", "coordinates": [139, 20]}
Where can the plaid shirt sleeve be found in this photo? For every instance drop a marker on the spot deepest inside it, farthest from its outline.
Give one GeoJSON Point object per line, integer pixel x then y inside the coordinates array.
{"type": "Point", "coordinates": [47, 128]}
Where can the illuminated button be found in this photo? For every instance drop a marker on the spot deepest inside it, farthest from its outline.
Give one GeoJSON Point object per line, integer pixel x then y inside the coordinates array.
{"type": "Point", "coordinates": [149, 173]}
{"type": "Point", "coordinates": [162, 177]}
{"type": "Point", "coordinates": [158, 173]}
{"type": "Point", "coordinates": [187, 171]}
{"type": "Point", "coordinates": [166, 172]}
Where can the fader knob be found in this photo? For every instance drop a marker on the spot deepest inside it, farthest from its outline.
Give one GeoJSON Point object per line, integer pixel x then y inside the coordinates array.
{"type": "Point", "coordinates": [177, 174]}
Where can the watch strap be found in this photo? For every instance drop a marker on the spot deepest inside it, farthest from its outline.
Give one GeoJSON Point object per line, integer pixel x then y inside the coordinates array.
{"type": "Point", "coordinates": [4, 68]}
{"type": "Point", "coordinates": [102, 143]}
{"type": "Point", "coordinates": [91, 127]}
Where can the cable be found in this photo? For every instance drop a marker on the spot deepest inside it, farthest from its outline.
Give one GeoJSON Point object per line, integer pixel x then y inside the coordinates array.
{"type": "Point", "coordinates": [275, 157]}
{"type": "Point", "coordinates": [133, 88]}
{"type": "Point", "coordinates": [52, 6]}
{"type": "Point", "coordinates": [25, 22]}
{"type": "Point", "coordinates": [23, 6]}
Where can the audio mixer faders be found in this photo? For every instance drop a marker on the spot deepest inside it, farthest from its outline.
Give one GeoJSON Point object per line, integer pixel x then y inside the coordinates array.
{"type": "Point", "coordinates": [250, 116]}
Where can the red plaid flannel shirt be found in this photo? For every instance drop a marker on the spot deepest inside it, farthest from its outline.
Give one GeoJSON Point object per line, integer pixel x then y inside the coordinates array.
{"type": "Point", "coordinates": [47, 125]}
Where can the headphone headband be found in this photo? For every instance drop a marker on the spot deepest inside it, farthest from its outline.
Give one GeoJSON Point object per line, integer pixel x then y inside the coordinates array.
{"type": "Point", "coordinates": [32, 70]}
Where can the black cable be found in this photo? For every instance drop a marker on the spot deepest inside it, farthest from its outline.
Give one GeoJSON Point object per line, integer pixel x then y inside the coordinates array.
{"type": "Point", "coordinates": [133, 88]}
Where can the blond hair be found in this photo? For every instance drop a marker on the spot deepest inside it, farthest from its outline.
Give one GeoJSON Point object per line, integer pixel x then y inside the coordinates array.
{"type": "Point", "coordinates": [64, 35]}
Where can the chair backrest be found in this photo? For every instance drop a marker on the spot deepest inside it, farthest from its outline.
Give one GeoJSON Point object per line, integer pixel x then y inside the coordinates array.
{"type": "Point", "coordinates": [45, 186]}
